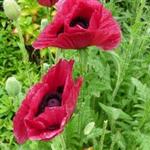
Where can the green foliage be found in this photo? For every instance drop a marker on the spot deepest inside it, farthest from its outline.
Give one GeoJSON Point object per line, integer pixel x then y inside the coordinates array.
{"type": "Point", "coordinates": [113, 111]}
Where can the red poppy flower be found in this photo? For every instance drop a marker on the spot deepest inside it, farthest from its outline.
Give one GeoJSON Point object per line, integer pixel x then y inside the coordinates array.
{"type": "Point", "coordinates": [78, 24]}
{"type": "Point", "coordinates": [48, 105]}
{"type": "Point", "coordinates": [47, 3]}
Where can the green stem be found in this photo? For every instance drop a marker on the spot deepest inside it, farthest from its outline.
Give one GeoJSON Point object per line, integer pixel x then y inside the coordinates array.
{"type": "Point", "coordinates": [51, 58]}
{"type": "Point", "coordinates": [81, 61]}
{"type": "Point", "coordinates": [63, 144]}
{"type": "Point", "coordinates": [59, 143]}
{"type": "Point", "coordinates": [117, 86]}
{"type": "Point", "coordinates": [114, 140]}
{"type": "Point", "coordinates": [83, 56]}
{"type": "Point", "coordinates": [112, 144]}
{"type": "Point", "coordinates": [118, 64]}
{"type": "Point", "coordinates": [103, 135]}
{"type": "Point", "coordinates": [20, 147]}
{"type": "Point", "coordinates": [83, 69]}
{"type": "Point", "coordinates": [22, 45]}
{"type": "Point", "coordinates": [58, 55]}
{"type": "Point", "coordinates": [49, 12]}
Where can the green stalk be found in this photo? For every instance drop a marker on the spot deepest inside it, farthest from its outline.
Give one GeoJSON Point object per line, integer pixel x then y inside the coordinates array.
{"type": "Point", "coordinates": [103, 135]}
{"type": "Point", "coordinates": [59, 143]}
{"type": "Point", "coordinates": [118, 65]}
{"type": "Point", "coordinates": [114, 140]}
{"type": "Point", "coordinates": [63, 144]}
{"type": "Point", "coordinates": [83, 56]}
{"type": "Point", "coordinates": [49, 12]}
{"type": "Point", "coordinates": [20, 147]}
{"type": "Point", "coordinates": [22, 45]}
{"type": "Point", "coordinates": [58, 55]}
{"type": "Point", "coordinates": [50, 56]}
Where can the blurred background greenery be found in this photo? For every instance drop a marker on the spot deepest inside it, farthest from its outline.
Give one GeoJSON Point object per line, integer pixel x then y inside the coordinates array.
{"type": "Point", "coordinates": [115, 108]}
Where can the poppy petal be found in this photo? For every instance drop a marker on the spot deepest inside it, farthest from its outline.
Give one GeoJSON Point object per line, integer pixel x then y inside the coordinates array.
{"type": "Point", "coordinates": [20, 131]}
{"type": "Point", "coordinates": [78, 24]}
{"type": "Point", "coordinates": [47, 3]}
{"type": "Point", "coordinates": [29, 123]}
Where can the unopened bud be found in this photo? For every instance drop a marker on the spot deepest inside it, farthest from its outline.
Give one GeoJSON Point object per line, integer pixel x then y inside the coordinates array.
{"type": "Point", "coordinates": [44, 23]}
{"type": "Point", "coordinates": [13, 86]}
{"type": "Point", "coordinates": [11, 9]}
{"type": "Point", "coordinates": [89, 128]}
{"type": "Point", "coordinates": [45, 67]}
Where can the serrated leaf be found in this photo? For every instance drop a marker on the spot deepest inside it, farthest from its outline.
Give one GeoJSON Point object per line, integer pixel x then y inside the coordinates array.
{"type": "Point", "coordinates": [142, 90]}
{"type": "Point", "coordinates": [115, 113]}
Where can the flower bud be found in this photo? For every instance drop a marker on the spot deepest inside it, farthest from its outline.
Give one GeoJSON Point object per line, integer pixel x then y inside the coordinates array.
{"type": "Point", "coordinates": [44, 23]}
{"type": "Point", "coordinates": [90, 126]}
{"type": "Point", "coordinates": [148, 31]}
{"type": "Point", "coordinates": [11, 9]}
{"type": "Point", "coordinates": [13, 86]}
{"type": "Point", "coordinates": [45, 67]}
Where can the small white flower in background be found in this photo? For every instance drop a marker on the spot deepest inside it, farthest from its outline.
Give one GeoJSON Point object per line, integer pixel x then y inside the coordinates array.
{"type": "Point", "coordinates": [13, 86]}
{"type": "Point", "coordinates": [11, 9]}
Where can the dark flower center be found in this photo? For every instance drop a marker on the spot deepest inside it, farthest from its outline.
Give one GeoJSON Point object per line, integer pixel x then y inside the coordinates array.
{"type": "Point", "coordinates": [60, 89]}
{"type": "Point", "coordinates": [51, 100]}
{"type": "Point", "coordinates": [84, 23]}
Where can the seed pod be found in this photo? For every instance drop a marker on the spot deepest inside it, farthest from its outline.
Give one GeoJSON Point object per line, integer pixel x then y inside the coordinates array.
{"type": "Point", "coordinates": [11, 9]}
{"type": "Point", "coordinates": [13, 86]}
{"type": "Point", "coordinates": [90, 126]}
{"type": "Point", "coordinates": [45, 67]}
{"type": "Point", "coordinates": [44, 23]}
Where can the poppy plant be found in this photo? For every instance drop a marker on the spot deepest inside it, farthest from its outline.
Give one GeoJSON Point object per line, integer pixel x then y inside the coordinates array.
{"type": "Point", "coordinates": [78, 24]}
{"type": "Point", "coordinates": [47, 3]}
{"type": "Point", "coordinates": [48, 105]}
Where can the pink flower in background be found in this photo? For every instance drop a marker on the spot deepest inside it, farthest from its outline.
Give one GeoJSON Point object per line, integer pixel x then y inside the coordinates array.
{"type": "Point", "coordinates": [47, 3]}
{"type": "Point", "coordinates": [78, 24]}
{"type": "Point", "coordinates": [48, 105]}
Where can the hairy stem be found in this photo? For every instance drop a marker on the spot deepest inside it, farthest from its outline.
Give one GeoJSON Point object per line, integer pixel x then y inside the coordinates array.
{"type": "Point", "coordinates": [22, 44]}
{"type": "Point", "coordinates": [103, 135]}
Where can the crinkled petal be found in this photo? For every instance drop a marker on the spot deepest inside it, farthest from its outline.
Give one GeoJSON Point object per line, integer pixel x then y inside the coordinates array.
{"type": "Point", "coordinates": [78, 24]}
{"type": "Point", "coordinates": [57, 75]}
{"type": "Point", "coordinates": [20, 131]}
{"type": "Point", "coordinates": [52, 119]}
{"type": "Point", "coordinates": [37, 100]}
{"type": "Point", "coordinates": [45, 134]}
{"type": "Point", "coordinates": [29, 123]}
{"type": "Point", "coordinates": [50, 33]}
{"type": "Point", "coordinates": [108, 34]}
{"type": "Point", "coordinates": [70, 95]}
